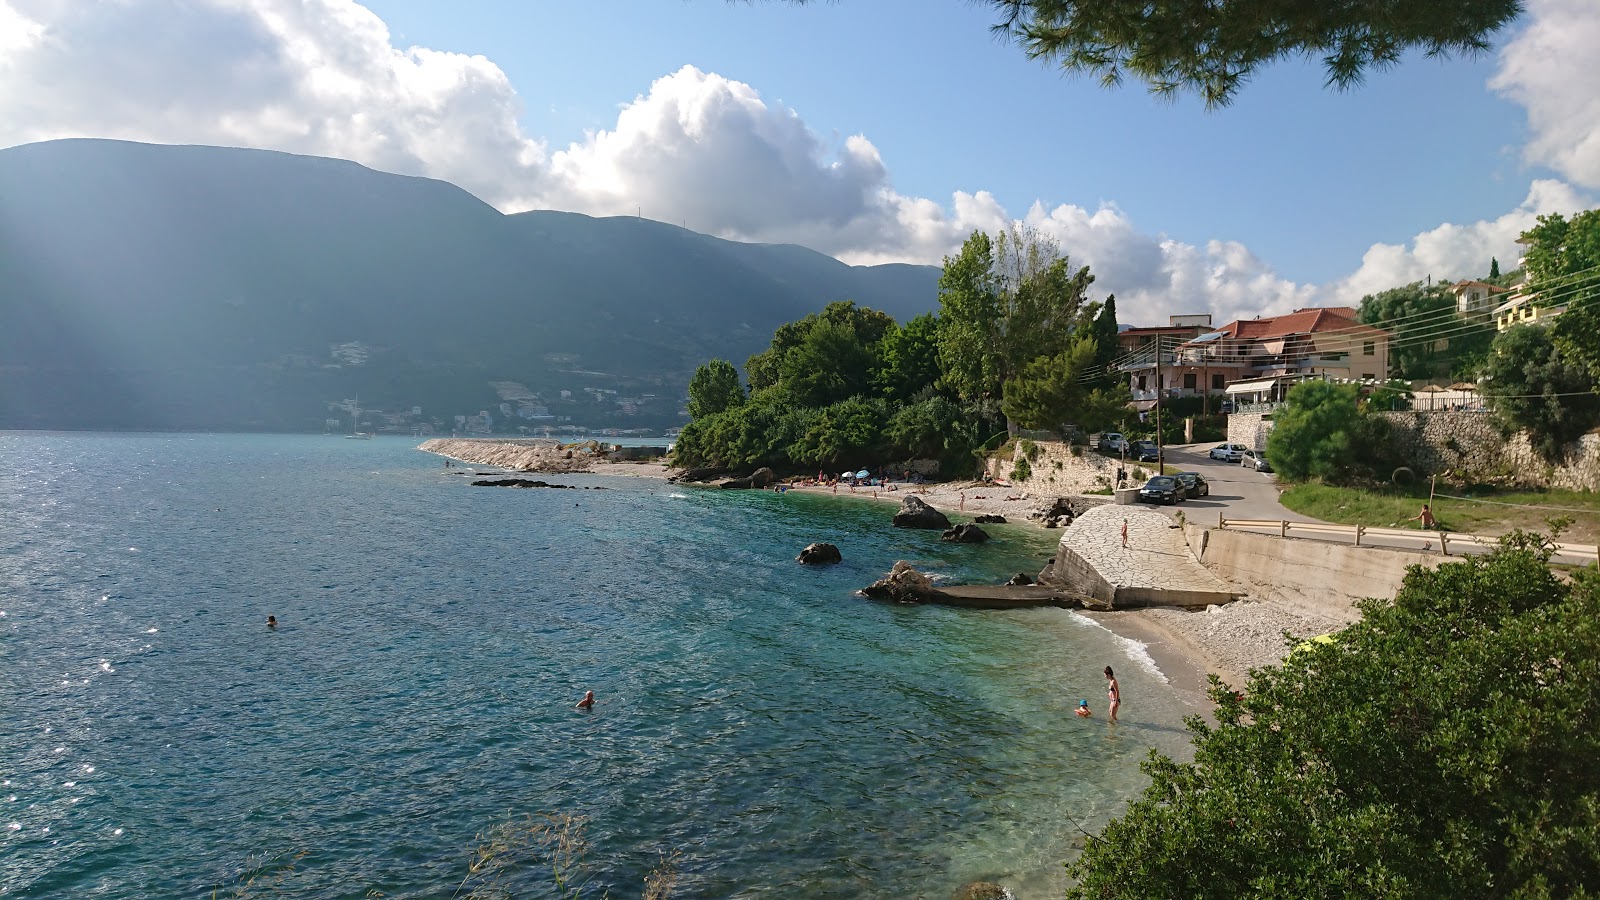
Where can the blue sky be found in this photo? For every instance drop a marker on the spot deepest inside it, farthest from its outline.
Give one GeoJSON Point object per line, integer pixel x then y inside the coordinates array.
{"type": "Point", "coordinates": [872, 130]}
{"type": "Point", "coordinates": [1308, 177]}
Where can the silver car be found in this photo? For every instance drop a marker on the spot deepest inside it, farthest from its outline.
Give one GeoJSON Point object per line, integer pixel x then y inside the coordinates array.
{"type": "Point", "coordinates": [1228, 452]}
{"type": "Point", "coordinates": [1256, 459]}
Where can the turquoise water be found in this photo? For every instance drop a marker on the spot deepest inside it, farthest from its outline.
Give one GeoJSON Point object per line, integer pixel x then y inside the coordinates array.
{"type": "Point", "coordinates": [783, 736]}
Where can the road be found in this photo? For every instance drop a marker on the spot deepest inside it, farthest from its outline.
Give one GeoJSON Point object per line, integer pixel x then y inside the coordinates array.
{"type": "Point", "coordinates": [1242, 493]}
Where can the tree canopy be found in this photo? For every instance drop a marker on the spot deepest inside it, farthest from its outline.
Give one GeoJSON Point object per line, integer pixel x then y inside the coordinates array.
{"type": "Point", "coordinates": [1537, 387]}
{"type": "Point", "coordinates": [1325, 432]}
{"type": "Point", "coordinates": [1442, 747]}
{"type": "Point", "coordinates": [1563, 268]}
{"type": "Point", "coordinates": [714, 388]}
{"type": "Point", "coordinates": [1429, 340]}
{"type": "Point", "coordinates": [1212, 48]}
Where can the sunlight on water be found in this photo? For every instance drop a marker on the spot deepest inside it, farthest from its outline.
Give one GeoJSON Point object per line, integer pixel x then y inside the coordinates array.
{"type": "Point", "coordinates": [785, 736]}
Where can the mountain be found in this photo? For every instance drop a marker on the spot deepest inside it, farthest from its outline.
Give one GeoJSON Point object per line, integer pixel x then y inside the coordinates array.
{"type": "Point", "coordinates": [153, 286]}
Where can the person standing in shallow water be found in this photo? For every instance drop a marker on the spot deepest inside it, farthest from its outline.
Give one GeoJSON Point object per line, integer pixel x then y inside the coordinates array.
{"type": "Point", "coordinates": [1113, 694]}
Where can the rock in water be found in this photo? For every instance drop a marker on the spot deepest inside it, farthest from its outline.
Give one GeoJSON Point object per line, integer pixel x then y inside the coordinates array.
{"type": "Point", "coordinates": [763, 477]}
{"type": "Point", "coordinates": [1019, 579]}
{"type": "Point", "coordinates": [990, 520]}
{"type": "Point", "coordinates": [965, 534]}
{"type": "Point", "coordinates": [982, 890]}
{"type": "Point", "coordinates": [903, 584]}
{"type": "Point", "coordinates": [914, 513]}
{"type": "Point", "coordinates": [819, 554]}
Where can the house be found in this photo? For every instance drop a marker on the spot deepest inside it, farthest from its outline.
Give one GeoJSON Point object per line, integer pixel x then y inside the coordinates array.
{"type": "Point", "coordinates": [1475, 298]}
{"type": "Point", "coordinates": [1258, 360]}
{"type": "Point", "coordinates": [1524, 306]}
{"type": "Point", "coordinates": [1137, 351]}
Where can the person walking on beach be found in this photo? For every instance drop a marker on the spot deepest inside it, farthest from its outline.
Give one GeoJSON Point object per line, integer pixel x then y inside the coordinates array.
{"type": "Point", "coordinates": [1113, 693]}
{"type": "Point", "coordinates": [1124, 534]}
{"type": "Point", "coordinates": [587, 703]}
{"type": "Point", "coordinates": [963, 501]}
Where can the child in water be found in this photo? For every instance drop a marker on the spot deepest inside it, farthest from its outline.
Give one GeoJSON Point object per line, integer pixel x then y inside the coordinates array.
{"type": "Point", "coordinates": [1083, 709]}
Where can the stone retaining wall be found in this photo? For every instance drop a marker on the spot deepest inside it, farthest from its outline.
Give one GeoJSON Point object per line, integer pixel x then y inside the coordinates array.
{"type": "Point", "coordinates": [1249, 429]}
{"type": "Point", "coordinates": [1054, 470]}
{"type": "Point", "coordinates": [1468, 445]}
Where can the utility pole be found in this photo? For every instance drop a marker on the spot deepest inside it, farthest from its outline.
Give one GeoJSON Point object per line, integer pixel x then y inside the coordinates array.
{"type": "Point", "coordinates": [1161, 456]}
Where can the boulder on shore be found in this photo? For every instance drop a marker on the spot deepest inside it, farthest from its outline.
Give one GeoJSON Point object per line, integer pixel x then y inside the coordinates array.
{"type": "Point", "coordinates": [903, 584]}
{"type": "Point", "coordinates": [1058, 514]}
{"type": "Point", "coordinates": [819, 554]}
{"type": "Point", "coordinates": [914, 513]}
{"type": "Point", "coordinates": [763, 477]}
{"type": "Point", "coordinates": [703, 473]}
{"type": "Point", "coordinates": [990, 519]}
{"type": "Point", "coordinates": [1019, 579]}
{"type": "Point", "coordinates": [965, 534]}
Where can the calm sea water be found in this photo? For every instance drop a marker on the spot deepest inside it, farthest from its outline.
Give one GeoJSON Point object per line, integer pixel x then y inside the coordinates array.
{"type": "Point", "coordinates": [784, 737]}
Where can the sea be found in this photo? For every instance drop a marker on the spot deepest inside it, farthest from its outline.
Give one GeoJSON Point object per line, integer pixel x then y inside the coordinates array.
{"type": "Point", "coordinates": [760, 727]}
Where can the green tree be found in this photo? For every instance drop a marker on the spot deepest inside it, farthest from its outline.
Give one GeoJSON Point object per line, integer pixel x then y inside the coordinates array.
{"type": "Point", "coordinates": [714, 388]}
{"type": "Point", "coordinates": [829, 364]}
{"type": "Point", "coordinates": [1106, 347]}
{"type": "Point", "coordinates": [1005, 302]}
{"type": "Point", "coordinates": [1442, 747]}
{"type": "Point", "coordinates": [1053, 391]}
{"type": "Point", "coordinates": [1429, 340]}
{"type": "Point", "coordinates": [936, 429]}
{"type": "Point", "coordinates": [1311, 436]}
{"type": "Point", "coordinates": [908, 359]}
{"type": "Point", "coordinates": [1537, 388]}
{"type": "Point", "coordinates": [848, 433]}
{"type": "Point", "coordinates": [1211, 48]}
{"type": "Point", "coordinates": [868, 326]}
{"type": "Point", "coordinates": [1563, 268]}
{"type": "Point", "coordinates": [1494, 267]}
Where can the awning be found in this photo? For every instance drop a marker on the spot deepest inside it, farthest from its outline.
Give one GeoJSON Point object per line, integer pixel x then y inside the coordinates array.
{"type": "Point", "coordinates": [1253, 386]}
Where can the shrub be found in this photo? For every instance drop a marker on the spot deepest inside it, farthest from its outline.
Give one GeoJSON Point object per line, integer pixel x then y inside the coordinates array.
{"type": "Point", "coordinates": [1021, 471]}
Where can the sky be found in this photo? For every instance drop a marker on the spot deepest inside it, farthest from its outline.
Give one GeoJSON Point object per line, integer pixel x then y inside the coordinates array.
{"type": "Point", "coordinates": [872, 130]}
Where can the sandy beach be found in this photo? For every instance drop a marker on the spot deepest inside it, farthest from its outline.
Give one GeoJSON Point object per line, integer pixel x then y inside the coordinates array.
{"type": "Point", "coordinates": [1226, 640]}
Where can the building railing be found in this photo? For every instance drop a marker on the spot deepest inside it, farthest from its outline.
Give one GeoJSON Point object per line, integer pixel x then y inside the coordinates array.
{"type": "Point", "coordinates": [1250, 408]}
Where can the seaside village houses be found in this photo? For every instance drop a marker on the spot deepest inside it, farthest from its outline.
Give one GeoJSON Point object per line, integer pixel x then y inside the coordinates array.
{"type": "Point", "coordinates": [1250, 364]}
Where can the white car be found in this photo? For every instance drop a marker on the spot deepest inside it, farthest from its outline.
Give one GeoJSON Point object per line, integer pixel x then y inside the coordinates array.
{"type": "Point", "coordinates": [1112, 442]}
{"type": "Point", "coordinates": [1228, 452]}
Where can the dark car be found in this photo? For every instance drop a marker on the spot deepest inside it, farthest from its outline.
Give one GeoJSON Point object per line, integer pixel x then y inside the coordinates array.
{"type": "Point", "coordinates": [1194, 484]}
{"type": "Point", "coordinates": [1161, 489]}
{"type": "Point", "coordinates": [1144, 451]}
{"type": "Point", "coordinates": [1256, 459]}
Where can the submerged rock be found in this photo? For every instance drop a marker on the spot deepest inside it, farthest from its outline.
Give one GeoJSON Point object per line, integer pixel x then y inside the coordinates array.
{"type": "Point", "coordinates": [819, 554]}
{"type": "Point", "coordinates": [990, 520]}
{"type": "Point", "coordinates": [982, 890]}
{"type": "Point", "coordinates": [965, 534]}
{"type": "Point", "coordinates": [914, 513]}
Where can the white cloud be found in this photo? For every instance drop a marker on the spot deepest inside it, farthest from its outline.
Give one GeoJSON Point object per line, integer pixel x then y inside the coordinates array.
{"type": "Point", "coordinates": [1552, 68]}
{"type": "Point", "coordinates": [323, 77]}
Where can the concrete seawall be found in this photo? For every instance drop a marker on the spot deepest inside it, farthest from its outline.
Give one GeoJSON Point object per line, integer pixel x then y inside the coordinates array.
{"type": "Point", "coordinates": [1154, 568]}
{"type": "Point", "coordinates": [1315, 574]}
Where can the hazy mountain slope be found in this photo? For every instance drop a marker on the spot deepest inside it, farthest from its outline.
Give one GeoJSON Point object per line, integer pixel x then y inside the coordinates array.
{"type": "Point", "coordinates": [164, 286]}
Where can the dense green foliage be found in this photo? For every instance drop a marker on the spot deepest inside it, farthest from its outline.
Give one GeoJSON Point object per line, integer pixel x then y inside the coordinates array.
{"type": "Point", "coordinates": [1324, 432]}
{"type": "Point", "coordinates": [1212, 48]}
{"type": "Point", "coordinates": [1005, 302]}
{"type": "Point", "coordinates": [1563, 267]}
{"type": "Point", "coordinates": [714, 389]}
{"type": "Point", "coordinates": [1430, 342]}
{"type": "Point", "coordinates": [848, 388]}
{"type": "Point", "coordinates": [1536, 387]}
{"type": "Point", "coordinates": [1442, 747]}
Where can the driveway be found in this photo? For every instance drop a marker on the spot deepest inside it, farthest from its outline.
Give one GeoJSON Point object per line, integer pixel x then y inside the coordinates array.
{"type": "Point", "coordinates": [1236, 491]}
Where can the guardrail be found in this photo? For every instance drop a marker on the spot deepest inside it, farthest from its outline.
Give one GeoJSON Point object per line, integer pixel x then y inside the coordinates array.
{"type": "Point", "coordinates": [1356, 534]}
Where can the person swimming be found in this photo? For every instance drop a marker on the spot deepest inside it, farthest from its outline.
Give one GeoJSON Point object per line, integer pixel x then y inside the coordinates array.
{"type": "Point", "coordinates": [587, 703]}
{"type": "Point", "coordinates": [1083, 709]}
{"type": "Point", "coordinates": [272, 621]}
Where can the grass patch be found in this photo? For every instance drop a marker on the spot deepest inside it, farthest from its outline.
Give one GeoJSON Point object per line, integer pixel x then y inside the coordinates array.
{"type": "Point", "coordinates": [1391, 507]}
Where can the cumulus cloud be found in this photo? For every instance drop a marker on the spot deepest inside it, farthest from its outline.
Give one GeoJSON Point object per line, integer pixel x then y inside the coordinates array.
{"type": "Point", "coordinates": [1551, 68]}
{"type": "Point", "coordinates": [323, 77]}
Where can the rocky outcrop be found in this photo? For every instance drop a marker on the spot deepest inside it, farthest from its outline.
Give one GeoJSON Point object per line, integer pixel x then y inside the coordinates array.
{"type": "Point", "coordinates": [914, 513]}
{"type": "Point", "coordinates": [982, 890]}
{"type": "Point", "coordinates": [702, 473]}
{"type": "Point", "coordinates": [525, 483]}
{"type": "Point", "coordinates": [1019, 579]}
{"type": "Point", "coordinates": [903, 584]}
{"type": "Point", "coordinates": [763, 477]}
{"type": "Point", "coordinates": [965, 534]}
{"type": "Point", "coordinates": [995, 519]}
{"type": "Point", "coordinates": [1057, 515]}
{"type": "Point", "coordinates": [521, 454]}
{"type": "Point", "coordinates": [819, 554]}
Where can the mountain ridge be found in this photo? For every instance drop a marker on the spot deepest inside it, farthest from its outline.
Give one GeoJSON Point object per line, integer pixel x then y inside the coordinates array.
{"type": "Point", "coordinates": [187, 286]}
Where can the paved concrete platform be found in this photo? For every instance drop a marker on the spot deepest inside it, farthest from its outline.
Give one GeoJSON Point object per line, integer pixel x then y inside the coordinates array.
{"type": "Point", "coordinates": [1156, 568]}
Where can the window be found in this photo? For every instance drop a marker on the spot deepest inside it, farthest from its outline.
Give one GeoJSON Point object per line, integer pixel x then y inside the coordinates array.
{"type": "Point", "coordinates": [1368, 348]}
{"type": "Point", "coordinates": [1190, 381]}
{"type": "Point", "coordinates": [1141, 383]}
{"type": "Point", "coordinates": [1367, 376]}
{"type": "Point", "coordinates": [1216, 382]}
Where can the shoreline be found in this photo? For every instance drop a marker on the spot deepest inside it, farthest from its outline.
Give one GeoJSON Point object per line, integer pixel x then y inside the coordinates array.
{"type": "Point", "coordinates": [1186, 645]}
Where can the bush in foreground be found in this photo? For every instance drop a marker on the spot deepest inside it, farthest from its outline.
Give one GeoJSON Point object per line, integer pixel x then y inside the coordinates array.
{"type": "Point", "coordinates": [1445, 746]}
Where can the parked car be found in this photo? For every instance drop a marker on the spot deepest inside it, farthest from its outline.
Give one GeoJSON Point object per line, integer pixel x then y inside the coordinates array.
{"type": "Point", "coordinates": [1112, 442]}
{"type": "Point", "coordinates": [1161, 489]}
{"type": "Point", "coordinates": [1256, 459]}
{"type": "Point", "coordinates": [1193, 484]}
{"type": "Point", "coordinates": [1228, 452]}
{"type": "Point", "coordinates": [1145, 451]}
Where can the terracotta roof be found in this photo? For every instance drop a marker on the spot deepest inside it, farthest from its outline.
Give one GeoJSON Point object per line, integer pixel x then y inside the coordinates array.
{"type": "Point", "coordinates": [1493, 288]}
{"type": "Point", "coordinates": [1349, 312]}
{"type": "Point", "coordinates": [1304, 321]}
